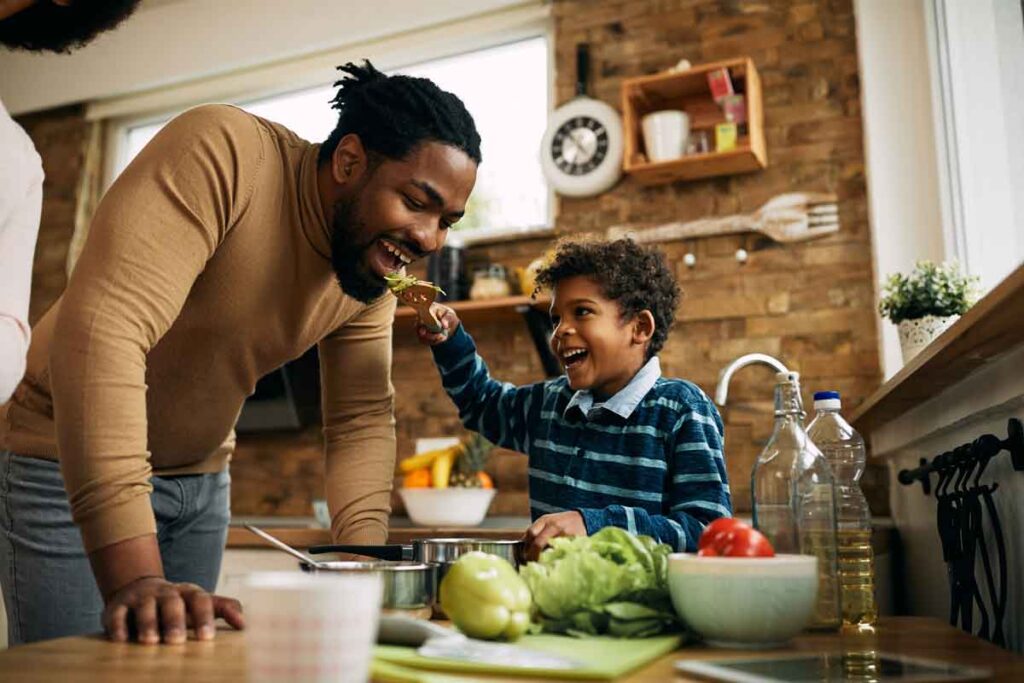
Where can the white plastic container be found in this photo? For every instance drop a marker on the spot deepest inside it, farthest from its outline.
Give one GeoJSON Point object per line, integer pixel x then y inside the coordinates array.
{"type": "Point", "coordinates": [318, 628]}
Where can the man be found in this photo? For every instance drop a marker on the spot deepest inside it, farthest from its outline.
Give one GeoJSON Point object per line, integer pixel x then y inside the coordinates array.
{"type": "Point", "coordinates": [56, 26]}
{"type": "Point", "coordinates": [214, 258]}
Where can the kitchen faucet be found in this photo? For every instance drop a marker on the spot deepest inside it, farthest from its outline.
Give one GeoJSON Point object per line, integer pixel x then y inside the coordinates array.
{"type": "Point", "coordinates": [722, 391]}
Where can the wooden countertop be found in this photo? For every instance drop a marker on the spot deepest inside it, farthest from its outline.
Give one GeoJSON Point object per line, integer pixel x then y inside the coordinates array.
{"type": "Point", "coordinates": [240, 537]}
{"type": "Point", "coordinates": [993, 326]}
{"type": "Point", "coordinates": [93, 659]}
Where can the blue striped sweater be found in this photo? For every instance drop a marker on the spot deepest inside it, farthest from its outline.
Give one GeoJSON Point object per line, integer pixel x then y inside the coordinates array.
{"type": "Point", "coordinates": [660, 471]}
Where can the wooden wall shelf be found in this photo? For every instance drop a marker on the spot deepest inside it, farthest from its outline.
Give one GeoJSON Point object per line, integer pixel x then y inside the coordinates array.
{"type": "Point", "coordinates": [688, 90]}
{"type": "Point", "coordinates": [486, 310]}
{"type": "Point", "coordinates": [532, 311]}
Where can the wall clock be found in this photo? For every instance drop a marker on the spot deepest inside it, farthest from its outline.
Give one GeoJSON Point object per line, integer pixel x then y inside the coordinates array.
{"type": "Point", "coordinates": [581, 152]}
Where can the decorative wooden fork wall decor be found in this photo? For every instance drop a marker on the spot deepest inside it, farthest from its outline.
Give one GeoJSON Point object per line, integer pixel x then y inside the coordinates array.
{"type": "Point", "coordinates": [791, 217]}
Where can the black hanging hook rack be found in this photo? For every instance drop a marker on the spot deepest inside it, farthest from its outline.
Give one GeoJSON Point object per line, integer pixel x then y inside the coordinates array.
{"type": "Point", "coordinates": [965, 508]}
{"type": "Point", "coordinates": [984, 448]}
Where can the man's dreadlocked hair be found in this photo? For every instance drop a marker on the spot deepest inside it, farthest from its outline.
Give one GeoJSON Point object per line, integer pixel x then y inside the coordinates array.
{"type": "Point", "coordinates": [393, 114]}
{"type": "Point", "coordinates": [637, 278]}
{"type": "Point", "coordinates": [46, 26]}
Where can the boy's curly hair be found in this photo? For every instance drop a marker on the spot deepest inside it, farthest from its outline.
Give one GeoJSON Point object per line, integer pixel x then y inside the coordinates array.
{"type": "Point", "coordinates": [636, 277]}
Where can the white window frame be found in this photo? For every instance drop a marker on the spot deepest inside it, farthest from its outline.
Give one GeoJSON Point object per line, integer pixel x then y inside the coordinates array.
{"type": "Point", "coordinates": [530, 20]}
{"type": "Point", "coordinates": [978, 187]}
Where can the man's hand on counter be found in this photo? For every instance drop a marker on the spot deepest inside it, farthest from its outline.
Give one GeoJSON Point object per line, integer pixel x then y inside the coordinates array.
{"type": "Point", "coordinates": [161, 610]}
{"type": "Point", "coordinates": [142, 605]}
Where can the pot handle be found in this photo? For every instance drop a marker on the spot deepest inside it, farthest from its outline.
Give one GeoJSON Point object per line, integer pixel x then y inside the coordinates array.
{"type": "Point", "coordinates": [381, 552]}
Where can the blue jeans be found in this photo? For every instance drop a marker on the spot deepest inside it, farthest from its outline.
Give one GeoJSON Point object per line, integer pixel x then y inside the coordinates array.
{"type": "Point", "coordinates": [48, 586]}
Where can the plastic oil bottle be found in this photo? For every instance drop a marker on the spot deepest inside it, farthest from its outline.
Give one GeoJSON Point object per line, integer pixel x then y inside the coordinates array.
{"type": "Point", "coordinates": [794, 497]}
{"type": "Point", "coordinates": [843, 447]}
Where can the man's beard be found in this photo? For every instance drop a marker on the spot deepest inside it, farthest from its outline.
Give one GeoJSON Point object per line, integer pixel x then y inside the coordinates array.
{"type": "Point", "coordinates": [348, 255]}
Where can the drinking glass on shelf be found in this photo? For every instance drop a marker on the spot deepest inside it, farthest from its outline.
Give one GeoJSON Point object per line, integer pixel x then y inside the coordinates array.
{"type": "Point", "coordinates": [699, 142]}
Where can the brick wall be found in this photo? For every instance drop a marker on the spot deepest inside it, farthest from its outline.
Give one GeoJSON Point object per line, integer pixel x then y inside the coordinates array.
{"type": "Point", "coordinates": [809, 304]}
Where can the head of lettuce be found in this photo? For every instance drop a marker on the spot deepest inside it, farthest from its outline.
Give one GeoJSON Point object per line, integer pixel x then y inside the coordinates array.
{"type": "Point", "coordinates": [612, 582]}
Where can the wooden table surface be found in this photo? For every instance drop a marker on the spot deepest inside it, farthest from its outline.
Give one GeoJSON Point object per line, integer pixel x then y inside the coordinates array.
{"type": "Point", "coordinates": [92, 659]}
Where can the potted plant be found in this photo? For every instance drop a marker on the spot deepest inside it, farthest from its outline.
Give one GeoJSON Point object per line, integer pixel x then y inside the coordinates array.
{"type": "Point", "coordinates": [925, 303]}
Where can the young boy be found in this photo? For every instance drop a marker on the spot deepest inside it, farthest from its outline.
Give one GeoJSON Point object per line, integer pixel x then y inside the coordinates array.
{"type": "Point", "coordinates": [612, 442]}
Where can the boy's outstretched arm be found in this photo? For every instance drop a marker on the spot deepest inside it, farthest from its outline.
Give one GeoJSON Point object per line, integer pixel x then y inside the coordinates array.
{"type": "Point", "coordinates": [496, 410]}
{"type": "Point", "coordinates": [696, 494]}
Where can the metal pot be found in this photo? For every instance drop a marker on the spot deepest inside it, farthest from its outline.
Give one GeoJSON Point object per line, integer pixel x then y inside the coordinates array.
{"type": "Point", "coordinates": [438, 552]}
{"type": "Point", "coordinates": [442, 551]}
{"type": "Point", "coordinates": [410, 588]}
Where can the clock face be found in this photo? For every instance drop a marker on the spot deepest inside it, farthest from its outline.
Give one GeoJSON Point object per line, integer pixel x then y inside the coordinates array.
{"type": "Point", "coordinates": [581, 151]}
{"type": "Point", "coordinates": [579, 145]}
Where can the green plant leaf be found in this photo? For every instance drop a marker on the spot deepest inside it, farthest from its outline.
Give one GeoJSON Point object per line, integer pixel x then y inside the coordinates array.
{"type": "Point", "coordinates": [930, 289]}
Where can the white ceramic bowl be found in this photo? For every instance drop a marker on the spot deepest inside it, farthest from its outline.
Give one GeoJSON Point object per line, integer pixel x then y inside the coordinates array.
{"type": "Point", "coordinates": [446, 507]}
{"type": "Point", "coordinates": [744, 602]}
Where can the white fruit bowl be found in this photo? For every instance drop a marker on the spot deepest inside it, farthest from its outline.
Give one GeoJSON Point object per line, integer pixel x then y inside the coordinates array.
{"type": "Point", "coordinates": [446, 507]}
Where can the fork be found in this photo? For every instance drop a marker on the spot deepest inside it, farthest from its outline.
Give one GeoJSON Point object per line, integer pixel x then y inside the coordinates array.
{"type": "Point", "coordinates": [420, 296]}
{"type": "Point", "coordinates": [791, 217]}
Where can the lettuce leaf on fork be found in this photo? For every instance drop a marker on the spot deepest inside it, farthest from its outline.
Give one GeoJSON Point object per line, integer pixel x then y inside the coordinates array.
{"type": "Point", "coordinates": [398, 282]}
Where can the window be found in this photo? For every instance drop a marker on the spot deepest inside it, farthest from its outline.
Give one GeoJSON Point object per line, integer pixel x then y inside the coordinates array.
{"type": "Point", "coordinates": [505, 88]}
{"type": "Point", "coordinates": [977, 49]}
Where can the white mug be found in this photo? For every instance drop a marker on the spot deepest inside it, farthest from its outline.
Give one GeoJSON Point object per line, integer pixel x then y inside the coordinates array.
{"type": "Point", "coordinates": [317, 628]}
{"type": "Point", "coordinates": [665, 134]}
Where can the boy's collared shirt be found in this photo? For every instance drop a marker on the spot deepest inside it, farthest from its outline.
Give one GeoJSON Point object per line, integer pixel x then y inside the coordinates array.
{"type": "Point", "coordinates": [625, 400]}
{"type": "Point", "coordinates": [659, 471]}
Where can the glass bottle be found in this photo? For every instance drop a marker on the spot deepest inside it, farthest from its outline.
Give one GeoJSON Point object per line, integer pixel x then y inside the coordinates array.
{"type": "Point", "coordinates": [794, 498]}
{"type": "Point", "coordinates": [843, 447]}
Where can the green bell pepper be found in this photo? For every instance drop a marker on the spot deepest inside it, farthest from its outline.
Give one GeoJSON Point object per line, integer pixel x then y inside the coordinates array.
{"type": "Point", "coordinates": [486, 598]}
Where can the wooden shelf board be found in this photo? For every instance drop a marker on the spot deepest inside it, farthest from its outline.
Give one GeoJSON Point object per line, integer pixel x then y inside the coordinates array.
{"type": "Point", "coordinates": [486, 309]}
{"type": "Point", "coordinates": [682, 83]}
{"type": "Point", "coordinates": [742, 159]}
{"type": "Point", "coordinates": [992, 327]}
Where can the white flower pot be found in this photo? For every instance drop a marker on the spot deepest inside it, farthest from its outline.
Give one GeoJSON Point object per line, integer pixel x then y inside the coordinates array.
{"type": "Point", "coordinates": [918, 333]}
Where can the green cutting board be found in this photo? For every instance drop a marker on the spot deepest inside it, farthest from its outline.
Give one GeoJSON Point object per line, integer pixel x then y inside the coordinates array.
{"type": "Point", "coordinates": [605, 658]}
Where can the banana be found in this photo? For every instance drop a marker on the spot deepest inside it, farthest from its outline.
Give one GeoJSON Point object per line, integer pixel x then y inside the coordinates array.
{"type": "Point", "coordinates": [425, 459]}
{"type": "Point", "coordinates": [441, 469]}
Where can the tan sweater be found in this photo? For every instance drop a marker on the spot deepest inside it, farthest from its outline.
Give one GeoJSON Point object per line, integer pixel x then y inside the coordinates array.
{"type": "Point", "coordinates": [207, 266]}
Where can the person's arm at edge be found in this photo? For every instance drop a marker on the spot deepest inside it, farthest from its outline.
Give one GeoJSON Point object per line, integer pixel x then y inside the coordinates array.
{"type": "Point", "coordinates": [359, 424]}
{"type": "Point", "coordinates": [21, 194]}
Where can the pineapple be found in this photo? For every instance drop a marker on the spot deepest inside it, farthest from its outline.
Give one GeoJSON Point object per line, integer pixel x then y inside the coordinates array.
{"type": "Point", "coordinates": [468, 470]}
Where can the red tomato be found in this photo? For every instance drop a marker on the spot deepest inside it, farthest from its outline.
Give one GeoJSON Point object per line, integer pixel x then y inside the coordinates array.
{"type": "Point", "coordinates": [745, 541]}
{"type": "Point", "coordinates": [717, 528]}
{"type": "Point", "coordinates": [733, 538]}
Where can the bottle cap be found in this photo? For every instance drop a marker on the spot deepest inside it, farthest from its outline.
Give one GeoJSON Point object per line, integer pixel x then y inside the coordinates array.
{"type": "Point", "coordinates": [827, 400]}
